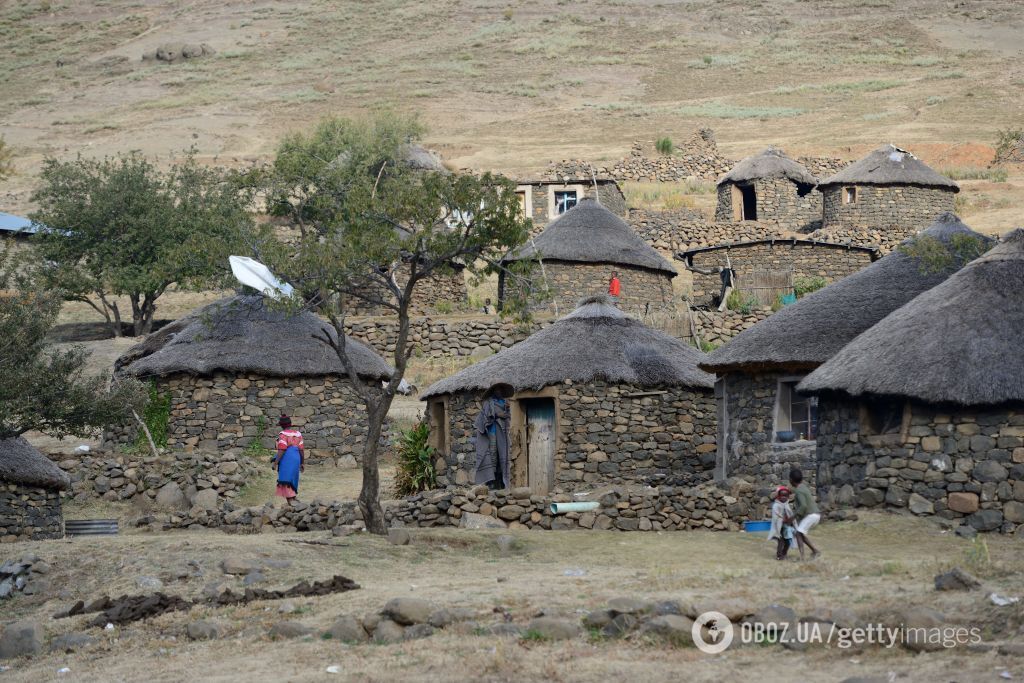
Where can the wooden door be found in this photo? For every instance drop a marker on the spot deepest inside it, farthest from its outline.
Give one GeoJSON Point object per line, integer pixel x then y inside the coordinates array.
{"type": "Point", "coordinates": [540, 443]}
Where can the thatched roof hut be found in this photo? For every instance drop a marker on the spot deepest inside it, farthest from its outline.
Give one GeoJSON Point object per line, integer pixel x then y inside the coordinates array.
{"type": "Point", "coordinates": [809, 332]}
{"type": "Point", "coordinates": [890, 165]}
{"type": "Point", "coordinates": [590, 233]}
{"type": "Point", "coordinates": [770, 163]}
{"type": "Point", "coordinates": [21, 463]}
{"type": "Point", "coordinates": [595, 342]}
{"type": "Point", "coordinates": [958, 342]}
{"type": "Point", "coordinates": [241, 334]}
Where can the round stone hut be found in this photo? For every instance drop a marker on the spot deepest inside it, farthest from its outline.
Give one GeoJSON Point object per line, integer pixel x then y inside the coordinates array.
{"type": "Point", "coordinates": [890, 191]}
{"type": "Point", "coordinates": [765, 424]}
{"type": "Point", "coordinates": [30, 490]}
{"type": "Point", "coordinates": [926, 408]}
{"type": "Point", "coordinates": [580, 250]}
{"type": "Point", "coordinates": [595, 397]}
{"type": "Point", "coordinates": [770, 187]}
{"type": "Point", "coordinates": [231, 368]}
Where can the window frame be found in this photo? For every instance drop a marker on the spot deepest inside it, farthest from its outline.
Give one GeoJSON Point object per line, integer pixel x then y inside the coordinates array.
{"type": "Point", "coordinates": [850, 194]}
{"type": "Point", "coordinates": [783, 418]}
{"type": "Point", "coordinates": [580, 190]}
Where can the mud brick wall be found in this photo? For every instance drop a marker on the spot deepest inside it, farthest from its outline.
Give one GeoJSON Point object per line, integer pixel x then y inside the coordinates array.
{"type": "Point", "coordinates": [954, 462]}
{"type": "Point", "coordinates": [779, 202]}
{"type": "Point", "coordinates": [568, 282]}
{"type": "Point", "coordinates": [747, 430]}
{"type": "Point", "coordinates": [904, 209]}
{"type": "Point", "coordinates": [608, 433]}
{"type": "Point", "coordinates": [228, 411]}
{"type": "Point", "coordinates": [28, 513]}
{"type": "Point", "coordinates": [832, 262]}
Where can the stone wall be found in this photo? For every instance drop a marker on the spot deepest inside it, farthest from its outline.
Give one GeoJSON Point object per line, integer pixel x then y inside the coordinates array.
{"type": "Point", "coordinates": [607, 433]}
{"type": "Point", "coordinates": [747, 430]}
{"type": "Point", "coordinates": [801, 258]}
{"type": "Point", "coordinates": [717, 327]}
{"type": "Point", "coordinates": [569, 281]}
{"type": "Point", "coordinates": [228, 411]}
{"type": "Point", "coordinates": [954, 462]}
{"type": "Point", "coordinates": [685, 229]}
{"type": "Point", "coordinates": [122, 476]}
{"type": "Point", "coordinates": [899, 210]}
{"type": "Point", "coordinates": [779, 201]}
{"type": "Point", "coordinates": [697, 157]}
{"type": "Point", "coordinates": [28, 513]}
{"type": "Point", "coordinates": [442, 337]}
{"type": "Point", "coordinates": [440, 293]}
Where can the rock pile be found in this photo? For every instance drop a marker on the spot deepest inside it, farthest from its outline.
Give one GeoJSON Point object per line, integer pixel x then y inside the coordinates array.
{"type": "Point", "coordinates": [177, 52]}
{"type": "Point", "coordinates": [26, 575]}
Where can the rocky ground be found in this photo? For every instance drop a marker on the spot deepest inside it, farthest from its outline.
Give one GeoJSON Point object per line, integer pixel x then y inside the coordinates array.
{"type": "Point", "coordinates": [495, 605]}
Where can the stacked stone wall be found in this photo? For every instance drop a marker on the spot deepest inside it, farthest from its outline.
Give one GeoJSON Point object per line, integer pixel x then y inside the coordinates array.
{"type": "Point", "coordinates": [607, 433]}
{"type": "Point", "coordinates": [643, 290]}
{"type": "Point", "coordinates": [230, 411]}
{"type": "Point", "coordinates": [446, 292]}
{"type": "Point", "coordinates": [957, 463]}
{"type": "Point", "coordinates": [748, 431]}
{"type": "Point", "coordinates": [803, 259]}
{"type": "Point", "coordinates": [779, 203]}
{"type": "Point", "coordinates": [894, 211]}
{"type": "Point", "coordinates": [442, 337]}
{"type": "Point", "coordinates": [29, 513]}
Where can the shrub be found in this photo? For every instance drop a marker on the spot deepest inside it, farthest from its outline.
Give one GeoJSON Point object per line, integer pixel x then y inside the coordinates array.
{"type": "Point", "coordinates": [740, 302]}
{"type": "Point", "coordinates": [156, 415]}
{"type": "Point", "coordinates": [803, 286]}
{"type": "Point", "coordinates": [708, 347]}
{"type": "Point", "coordinates": [1007, 139]}
{"type": "Point", "coordinates": [935, 256]}
{"type": "Point", "coordinates": [415, 471]}
{"type": "Point", "coordinates": [664, 145]}
{"type": "Point", "coordinates": [444, 306]}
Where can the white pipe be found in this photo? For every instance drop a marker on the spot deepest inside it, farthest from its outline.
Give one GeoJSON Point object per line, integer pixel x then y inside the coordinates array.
{"type": "Point", "coordinates": [581, 506]}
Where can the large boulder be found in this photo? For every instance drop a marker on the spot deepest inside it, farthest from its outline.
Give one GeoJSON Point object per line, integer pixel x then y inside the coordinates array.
{"type": "Point", "coordinates": [206, 499]}
{"type": "Point", "coordinates": [986, 520]}
{"type": "Point", "coordinates": [171, 497]}
{"type": "Point", "coordinates": [553, 628]}
{"type": "Point", "coordinates": [408, 611]}
{"type": "Point", "coordinates": [920, 626]}
{"type": "Point", "coordinates": [474, 520]}
{"type": "Point", "coordinates": [956, 580]}
{"type": "Point", "coordinates": [204, 629]}
{"type": "Point", "coordinates": [962, 502]}
{"type": "Point", "coordinates": [21, 638]}
{"type": "Point", "coordinates": [670, 628]}
{"type": "Point", "coordinates": [348, 629]}
{"type": "Point", "coordinates": [920, 505]}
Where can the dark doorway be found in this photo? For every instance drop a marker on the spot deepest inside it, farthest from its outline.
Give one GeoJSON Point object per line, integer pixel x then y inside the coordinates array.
{"type": "Point", "coordinates": [749, 202]}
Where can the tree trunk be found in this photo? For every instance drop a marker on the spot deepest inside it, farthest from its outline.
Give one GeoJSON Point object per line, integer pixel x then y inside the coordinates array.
{"type": "Point", "coordinates": [369, 498]}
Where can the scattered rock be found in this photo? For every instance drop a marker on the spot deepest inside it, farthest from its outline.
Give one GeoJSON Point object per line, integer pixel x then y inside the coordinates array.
{"type": "Point", "coordinates": [620, 625]}
{"type": "Point", "coordinates": [553, 628]}
{"type": "Point", "coordinates": [176, 52]}
{"type": "Point", "coordinates": [289, 629]}
{"type": "Point", "coordinates": [21, 638]}
{"type": "Point", "coordinates": [956, 580]}
{"type": "Point", "coordinates": [735, 609]}
{"type": "Point", "coordinates": [204, 630]}
{"type": "Point", "coordinates": [599, 618]}
{"type": "Point", "coordinates": [670, 628]}
{"type": "Point", "coordinates": [237, 566]}
{"type": "Point", "coordinates": [388, 631]}
{"type": "Point", "coordinates": [71, 642]}
{"type": "Point", "coordinates": [348, 629]}
{"type": "Point", "coordinates": [917, 623]}
{"type": "Point", "coordinates": [965, 531]}
{"type": "Point", "coordinates": [446, 616]}
{"type": "Point", "coordinates": [287, 607]}
{"type": "Point", "coordinates": [474, 520]}
{"type": "Point", "coordinates": [418, 631]}
{"type": "Point", "coordinates": [149, 583]}
{"type": "Point", "coordinates": [253, 578]}
{"type": "Point", "coordinates": [408, 611]}
{"type": "Point", "coordinates": [399, 537]}
{"type": "Point", "coordinates": [1011, 649]}
{"type": "Point", "coordinates": [986, 520]}
{"type": "Point", "coordinates": [629, 606]}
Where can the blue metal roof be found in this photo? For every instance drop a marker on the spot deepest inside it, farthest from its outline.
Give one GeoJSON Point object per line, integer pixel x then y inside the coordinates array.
{"type": "Point", "coordinates": [11, 223]}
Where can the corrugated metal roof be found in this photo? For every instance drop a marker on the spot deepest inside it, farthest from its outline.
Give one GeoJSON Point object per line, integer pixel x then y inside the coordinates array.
{"type": "Point", "coordinates": [11, 223]}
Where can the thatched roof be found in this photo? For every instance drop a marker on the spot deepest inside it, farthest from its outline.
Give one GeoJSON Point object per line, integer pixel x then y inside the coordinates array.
{"type": "Point", "coordinates": [239, 335]}
{"type": "Point", "coordinates": [771, 163]}
{"type": "Point", "coordinates": [590, 233]}
{"type": "Point", "coordinates": [890, 165]}
{"type": "Point", "coordinates": [959, 342]}
{"type": "Point", "coordinates": [21, 463]}
{"type": "Point", "coordinates": [597, 341]}
{"type": "Point", "coordinates": [815, 328]}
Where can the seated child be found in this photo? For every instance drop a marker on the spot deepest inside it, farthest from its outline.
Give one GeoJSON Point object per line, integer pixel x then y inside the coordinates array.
{"type": "Point", "coordinates": [782, 522]}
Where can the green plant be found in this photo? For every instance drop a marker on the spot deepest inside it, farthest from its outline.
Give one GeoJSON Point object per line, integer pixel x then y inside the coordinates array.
{"type": "Point", "coordinates": [444, 306]}
{"type": "Point", "coordinates": [507, 14]}
{"type": "Point", "coordinates": [1007, 139]}
{"type": "Point", "coordinates": [977, 555]}
{"type": "Point", "coordinates": [777, 304]}
{"type": "Point", "coordinates": [255, 446]}
{"type": "Point", "coordinates": [708, 347]}
{"type": "Point", "coordinates": [534, 635]}
{"type": "Point", "coordinates": [156, 415]}
{"type": "Point", "coordinates": [804, 285]}
{"type": "Point", "coordinates": [740, 302]}
{"type": "Point", "coordinates": [934, 255]}
{"type": "Point", "coordinates": [664, 145]}
{"type": "Point", "coordinates": [415, 471]}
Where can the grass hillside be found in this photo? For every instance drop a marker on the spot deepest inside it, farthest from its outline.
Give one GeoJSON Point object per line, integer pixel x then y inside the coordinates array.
{"type": "Point", "coordinates": [510, 86]}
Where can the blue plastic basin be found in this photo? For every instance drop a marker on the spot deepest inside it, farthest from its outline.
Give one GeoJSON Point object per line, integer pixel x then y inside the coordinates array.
{"type": "Point", "coordinates": [757, 526]}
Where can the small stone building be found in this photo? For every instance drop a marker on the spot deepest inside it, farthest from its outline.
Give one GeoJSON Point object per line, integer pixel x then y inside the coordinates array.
{"type": "Point", "coordinates": [544, 200]}
{"type": "Point", "coordinates": [231, 369]}
{"type": "Point", "coordinates": [765, 268]}
{"type": "Point", "coordinates": [926, 408]}
{"type": "Point", "coordinates": [770, 187]}
{"type": "Point", "coordinates": [765, 424]}
{"type": "Point", "coordinates": [889, 190]}
{"type": "Point", "coordinates": [30, 492]}
{"type": "Point", "coordinates": [596, 397]}
{"type": "Point", "coordinates": [578, 253]}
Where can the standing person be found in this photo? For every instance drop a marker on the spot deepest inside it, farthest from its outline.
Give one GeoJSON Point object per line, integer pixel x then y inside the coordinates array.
{"type": "Point", "coordinates": [782, 522]}
{"type": "Point", "coordinates": [491, 427]}
{"type": "Point", "coordinates": [614, 286]}
{"type": "Point", "coordinates": [805, 510]}
{"type": "Point", "coordinates": [290, 460]}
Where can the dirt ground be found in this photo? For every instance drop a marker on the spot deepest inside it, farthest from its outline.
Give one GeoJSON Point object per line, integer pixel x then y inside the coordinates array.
{"type": "Point", "coordinates": [874, 565]}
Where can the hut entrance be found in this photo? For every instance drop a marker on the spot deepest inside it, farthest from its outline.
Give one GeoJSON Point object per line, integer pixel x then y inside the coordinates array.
{"type": "Point", "coordinates": [744, 203]}
{"type": "Point", "coordinates": [533, 452]}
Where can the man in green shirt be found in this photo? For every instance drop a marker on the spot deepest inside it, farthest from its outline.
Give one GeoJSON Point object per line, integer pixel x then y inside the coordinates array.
{"type": "Point", "coordinates": [805, 509]}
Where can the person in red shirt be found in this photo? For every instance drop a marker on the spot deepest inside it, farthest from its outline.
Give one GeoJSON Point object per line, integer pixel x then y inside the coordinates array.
{"type": "Point", "coordinates": [614, 286]}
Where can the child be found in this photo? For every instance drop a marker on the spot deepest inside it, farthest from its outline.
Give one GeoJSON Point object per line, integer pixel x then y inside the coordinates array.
{"type": "Point", "coordinates": [806, 511]}
{"type": "Point", "coordinates": [782, 522]}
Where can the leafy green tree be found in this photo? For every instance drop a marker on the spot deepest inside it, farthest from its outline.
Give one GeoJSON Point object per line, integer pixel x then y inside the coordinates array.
{"type": "Point", "coordinates": [122, 227]}
{"type": "Point", "coordinates": [372, 230]}
{"type": "Point", "coordinates": [45, 389]}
